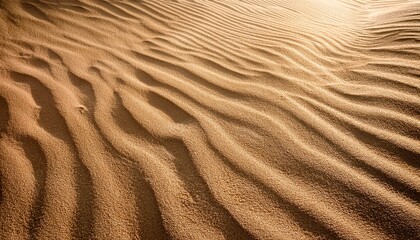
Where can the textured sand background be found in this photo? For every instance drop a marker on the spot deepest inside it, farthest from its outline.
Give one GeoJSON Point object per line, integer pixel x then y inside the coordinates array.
{"type": "Point", "coordinates": [210, 119]}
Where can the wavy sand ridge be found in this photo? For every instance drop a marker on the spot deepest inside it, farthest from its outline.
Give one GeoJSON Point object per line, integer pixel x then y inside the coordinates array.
{"type": "Point", "coordinates": [210, 119]}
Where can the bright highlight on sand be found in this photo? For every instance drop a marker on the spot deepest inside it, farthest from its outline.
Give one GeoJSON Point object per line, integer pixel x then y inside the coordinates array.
{"type": "Point", "coordinates": [210, 119]}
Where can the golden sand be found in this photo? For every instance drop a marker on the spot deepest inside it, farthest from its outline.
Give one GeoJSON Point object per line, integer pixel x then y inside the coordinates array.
{"type": "Point", "coordinates": [210, 119]}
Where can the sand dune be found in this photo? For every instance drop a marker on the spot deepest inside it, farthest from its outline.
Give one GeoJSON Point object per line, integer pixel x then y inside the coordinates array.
{"type": "Point", "coordinates": [210, 119]}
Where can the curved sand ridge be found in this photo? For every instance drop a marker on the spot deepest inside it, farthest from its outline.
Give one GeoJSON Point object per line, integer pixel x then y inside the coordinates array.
{"type": "Point", "coordinates": [210, 119]}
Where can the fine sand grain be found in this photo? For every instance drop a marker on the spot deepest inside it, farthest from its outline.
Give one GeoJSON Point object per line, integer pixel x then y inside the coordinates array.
{"type": "Point", "coordinates": [210, 119]}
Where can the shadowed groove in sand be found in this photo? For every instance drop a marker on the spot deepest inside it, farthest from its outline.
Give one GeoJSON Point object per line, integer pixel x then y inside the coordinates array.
{"type": "Point", "coordinates": [86, 89]}
{"type": "Point", "coordinates": [149, 216]}
{"type": "Point", "coordinates": [35, 11]}
{"type": "Point", "coordinates": [174, 112]}
{"type": "Point", "coordinates": [84, 221]}
{"type": "Point", "coordinates": [4, 114]}
{"type": "Point", "coordinates": [35, 155]}
{"type": "Point", "coordinates": [1, 189]}
{"type": "Point", "coordinates": [41, 64]}
{"type": "Point", "coordinates": [125, 120]}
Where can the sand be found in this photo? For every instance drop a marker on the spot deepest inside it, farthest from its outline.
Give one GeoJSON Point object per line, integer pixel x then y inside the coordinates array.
{"type": "Point", "coordinates": [210, 119]}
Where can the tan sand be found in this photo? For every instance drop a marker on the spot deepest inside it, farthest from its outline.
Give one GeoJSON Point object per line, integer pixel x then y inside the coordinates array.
{"type": "Point", "coordinates": [210, 119]}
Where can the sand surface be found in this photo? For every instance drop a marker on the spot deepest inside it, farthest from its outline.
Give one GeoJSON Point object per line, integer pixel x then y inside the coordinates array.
{"type": "Point", "coordinates": [210, 119]}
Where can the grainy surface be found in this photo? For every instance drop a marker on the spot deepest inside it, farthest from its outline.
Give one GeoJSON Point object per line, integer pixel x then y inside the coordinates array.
{"type": "Point", "coordinates": [210, 119]}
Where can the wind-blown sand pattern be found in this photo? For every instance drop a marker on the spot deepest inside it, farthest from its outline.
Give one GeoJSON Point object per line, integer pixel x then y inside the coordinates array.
{"type": "Point", "coordinates": [210, 119]}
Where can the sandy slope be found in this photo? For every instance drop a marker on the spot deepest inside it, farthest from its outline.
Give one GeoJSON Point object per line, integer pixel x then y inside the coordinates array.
{"type": "Point", "coordinates": [210, 119]}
